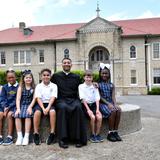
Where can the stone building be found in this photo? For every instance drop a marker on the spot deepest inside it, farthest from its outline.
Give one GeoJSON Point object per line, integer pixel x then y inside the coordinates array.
{"type": "Point", "coordinates": [132, 47]}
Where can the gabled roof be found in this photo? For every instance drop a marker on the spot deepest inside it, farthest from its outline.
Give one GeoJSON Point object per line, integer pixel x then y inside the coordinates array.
{"type": "Point", "coordinates": [149, 26]}
{"type": "Point", "coordinates": [134, 27]}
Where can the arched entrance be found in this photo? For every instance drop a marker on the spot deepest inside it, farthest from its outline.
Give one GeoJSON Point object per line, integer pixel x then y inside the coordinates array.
{"type": "Point", "coordinates": [96, 55]}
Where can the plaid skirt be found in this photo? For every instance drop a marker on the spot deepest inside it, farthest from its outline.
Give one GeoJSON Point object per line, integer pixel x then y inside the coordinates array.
{"type": "Point", "coordinates": [104, 109]}
{"type": "Point", "coordinates": [23, 113]}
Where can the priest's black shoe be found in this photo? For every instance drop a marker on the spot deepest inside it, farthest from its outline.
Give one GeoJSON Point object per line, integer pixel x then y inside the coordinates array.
{"type": "Point", "coordinates": [63, 144]}
{"type": "Point", "coordinates": [78, 145]}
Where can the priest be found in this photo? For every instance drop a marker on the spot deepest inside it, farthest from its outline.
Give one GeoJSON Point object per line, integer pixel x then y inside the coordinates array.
{"type": "Point", "coordinates": [71, 122]}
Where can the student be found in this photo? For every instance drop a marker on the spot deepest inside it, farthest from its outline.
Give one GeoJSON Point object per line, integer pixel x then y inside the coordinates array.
{"type": "Point", "coordinates": [8, 103]}
{"type": "Point", "coordinates": [108, 104]}
{"type": "Point", "coordinates": [45, 93]}
{"type": "Point", "coordinates": [90, 98]}
{"type": "Point", "coordinates": [24, 104]}
{"type": "Point", "coordinates": [1, 118]}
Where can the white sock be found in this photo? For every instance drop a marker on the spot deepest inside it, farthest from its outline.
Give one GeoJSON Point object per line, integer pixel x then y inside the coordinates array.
{"type": "Point", "coordinates": [19, 134]}
{"type": "Point", "coordinates": [110, 131]}
{"type": "Point", "coordinates": [26, 135]}
{"type": "Point", "coordinates": [9, 136]}
{"type": "Point", "coordinates": [0, 136]}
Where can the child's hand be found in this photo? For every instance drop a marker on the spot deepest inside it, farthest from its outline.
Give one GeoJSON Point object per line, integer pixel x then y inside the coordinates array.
{"type": "Point", "coordinates": [47, 110]}
{"type": "Point", "coordinates": [90, 113]}
{"type": "Point", "coordinates": [110, 106]}
{"type": "Point", "coordinates": [29, 110]}
{"type": "Point", "coordinates": [18, 111]}
{"type": "Point", "coordinates": [44, 111]}
{"type": "Point", "coordinates": [98, 112]}
{"type": "Point", "coordinates": [6, 109]}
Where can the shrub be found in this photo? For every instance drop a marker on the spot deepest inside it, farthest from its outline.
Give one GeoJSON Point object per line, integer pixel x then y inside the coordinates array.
{"type": "Point", "coordinates": [81, 74]}
{"type": "Point", "coordinates": [3, 77]}
{"type": "Point", "coordinates": [154, 91]}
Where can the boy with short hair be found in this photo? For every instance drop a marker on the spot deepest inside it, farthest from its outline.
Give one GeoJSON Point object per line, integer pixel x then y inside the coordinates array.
{"type": "Point", "coordinates": [90, 98]}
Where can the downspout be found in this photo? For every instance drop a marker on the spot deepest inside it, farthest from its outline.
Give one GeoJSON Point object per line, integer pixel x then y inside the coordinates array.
{"type": "Point", "coordinates": [55, 57]}
{"type": "Point", "coordinates": [146, 70]}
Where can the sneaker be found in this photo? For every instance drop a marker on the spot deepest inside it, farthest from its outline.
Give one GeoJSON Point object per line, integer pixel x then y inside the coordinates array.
{"type": "Point", "coordinates": [99, 138]}
{"type": "Point", "coordinates": [36, 139]}
{"type": "Point", "coordinates": [19, 141]}
{"type": "Point", "coordinates": [118, 138]}
{"type": "Point", "coordinates": [25, 141]}
{"type": "Point", "coordinates": [8, 141]}
{"type": "Point", "coordinates": [1, 140]}
{"type": "Point", "coordinates": [50, 139]}
{"type": "Point", "coordinates": [111, 137]}
{"type": "Point", "coordinates": [93, 138]}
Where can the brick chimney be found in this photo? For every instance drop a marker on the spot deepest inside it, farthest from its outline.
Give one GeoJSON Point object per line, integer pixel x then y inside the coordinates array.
{"type": "Point", "coordinates": [22, 25]}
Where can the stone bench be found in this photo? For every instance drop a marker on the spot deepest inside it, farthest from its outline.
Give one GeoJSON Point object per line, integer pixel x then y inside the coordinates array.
{"type": "Point", "coordinates": [130, 122]}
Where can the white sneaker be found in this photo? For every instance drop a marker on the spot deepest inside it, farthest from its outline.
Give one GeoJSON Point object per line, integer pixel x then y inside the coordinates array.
{"type": "Point", "coordinates": [25, 141]}
{"type": "Point", "coordinates": [19, 141]}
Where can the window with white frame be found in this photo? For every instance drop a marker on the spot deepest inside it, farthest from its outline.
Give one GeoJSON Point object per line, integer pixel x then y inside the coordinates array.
{"type": "Point", "coordinates": [132, 52]}
{"type": "Point", "coordinates": [156, 50]}
{"type": "Point", "coordinates": [41, 56]}
{"type": "Point", "coordinates": [156, 76]}
{"type": "Point", "coordinates": [2, 58]}
{"type": "Point", "coordinates": [22, 57]}
{"type": "Point", "coordinates": [133, 77]}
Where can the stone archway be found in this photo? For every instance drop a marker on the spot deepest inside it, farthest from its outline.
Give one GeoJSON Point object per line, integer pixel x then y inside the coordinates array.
{"type": "Point", "coordinates": [96, 55]}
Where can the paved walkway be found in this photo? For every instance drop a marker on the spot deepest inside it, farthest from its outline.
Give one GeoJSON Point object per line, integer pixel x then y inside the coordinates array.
{"type": "Point", "coordinates": [140, 145]}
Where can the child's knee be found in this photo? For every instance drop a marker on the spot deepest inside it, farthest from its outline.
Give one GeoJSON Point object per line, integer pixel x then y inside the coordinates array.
{"type": "Point", "coordinates": [92, 117]}
{"type": "Point", "coordinates": [10, 115]}
{"type": "Point", "coordinates": [99, 117]}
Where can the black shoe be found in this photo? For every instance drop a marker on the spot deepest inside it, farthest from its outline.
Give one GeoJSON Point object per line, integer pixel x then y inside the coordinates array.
{"type": "Point", "coordinates": [50, 139]}
{"type": "Point", "coordinates": [63, 144]}
{"type": "Point", "coordinates": [118, 138]}
{"type": "Point", "coordinates": [111, 137]}
{"type": "Point", "coordinates": [36, 139]}
{"type": "Point", "coordinates": [78, 144]}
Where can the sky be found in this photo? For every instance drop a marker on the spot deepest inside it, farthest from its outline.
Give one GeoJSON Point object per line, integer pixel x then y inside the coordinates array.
{"type": "Point", "coordinates": [47, 12]}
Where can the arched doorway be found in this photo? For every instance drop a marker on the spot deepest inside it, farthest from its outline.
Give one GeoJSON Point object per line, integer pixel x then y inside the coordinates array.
{"type": "Point", "coordinates": [96, 55]}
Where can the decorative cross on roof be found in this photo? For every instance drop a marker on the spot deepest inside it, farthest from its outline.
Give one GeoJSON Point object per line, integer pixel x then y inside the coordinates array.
{"type": "Point", "coordinates": [98, 10]}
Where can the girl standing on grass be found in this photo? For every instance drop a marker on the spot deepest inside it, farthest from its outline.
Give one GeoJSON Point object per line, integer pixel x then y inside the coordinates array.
{"type": "Point", "coordinates": [24, 105]}
{"type": "Point", "coordinates": [108, 104]}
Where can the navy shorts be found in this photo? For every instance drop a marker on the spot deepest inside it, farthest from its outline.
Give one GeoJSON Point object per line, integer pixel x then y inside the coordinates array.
{"type": "Point", "coordinates": [92, 107]}
{"type": "Point", "coordinates": [37, 107]}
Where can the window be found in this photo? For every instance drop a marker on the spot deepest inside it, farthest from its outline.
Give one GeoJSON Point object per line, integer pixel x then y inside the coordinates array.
{"type": "Point", "coordinates": [41, 56]}
{"type": "Point", "coordinates": [156, 50]}
{"type": "Point", "coordinates": [66, 53]}
{"type": "Point", "coordinates": [99, 54]}
{"type": "Point", "coordinates": [2, 58]}
{"type": "Point", "coordinates": [22, 57]}
{"type": "Point", "coordinates": [132, 52]}
{"type": "Point", "coordinates": [156, 75]}
{"type": "Point", "coordinates": [133, 77]}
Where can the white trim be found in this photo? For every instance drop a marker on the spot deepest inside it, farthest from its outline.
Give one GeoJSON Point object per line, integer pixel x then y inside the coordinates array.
{"type": "Point", "coordinates": [21, 64]}
{"type": "Point", "coordinates": [134, 84]}
{"type": "Point", "coordinates": [153, 52]}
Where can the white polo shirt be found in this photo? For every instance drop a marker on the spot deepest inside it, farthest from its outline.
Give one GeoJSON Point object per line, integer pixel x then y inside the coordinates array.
{"type": "Point", "coordinates": [88, 93]}
{"type": "Point", "coordinates": [45, 92]}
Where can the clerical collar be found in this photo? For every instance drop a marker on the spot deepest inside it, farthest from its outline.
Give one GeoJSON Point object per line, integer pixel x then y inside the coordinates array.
{"type": "Point", "coordinates": [15, 85]}
{"type": "Point", "coordinates": [66, 73]}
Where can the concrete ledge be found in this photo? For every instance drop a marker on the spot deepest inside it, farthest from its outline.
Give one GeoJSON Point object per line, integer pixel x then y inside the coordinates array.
{"type": "Point", "coordinates": [130, 122]}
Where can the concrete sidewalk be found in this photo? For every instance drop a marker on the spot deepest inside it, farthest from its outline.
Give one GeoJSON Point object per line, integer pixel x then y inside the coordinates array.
{"type": "Point", "coordinates": [140, 145]}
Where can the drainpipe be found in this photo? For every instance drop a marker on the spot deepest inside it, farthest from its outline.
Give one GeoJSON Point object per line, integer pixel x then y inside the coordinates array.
{"type": "Point", "coordinates": [55, 57]}
{"type": "Point", "coordinates": [148, 61]}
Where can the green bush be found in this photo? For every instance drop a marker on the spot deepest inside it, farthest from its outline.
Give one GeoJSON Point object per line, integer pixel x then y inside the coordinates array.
{"type": "Point", "coordinates": [3, 77]}
{"type": "Point", "coordinates": [154, 91]}
{"type": "Point", "coordinates": [81, 74]}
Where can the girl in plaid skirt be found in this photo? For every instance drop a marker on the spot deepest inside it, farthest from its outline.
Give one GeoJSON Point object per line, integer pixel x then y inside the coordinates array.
{"type": "Point", "coordinates": [108, 105]}
{"type": "Point", "coordinates": [24, 105]}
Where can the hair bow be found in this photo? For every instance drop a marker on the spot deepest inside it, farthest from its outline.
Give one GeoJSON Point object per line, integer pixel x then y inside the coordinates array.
{"type": "Point", "coordinates": [26, 72]}
{"type": "Point", "coordinates": [103, 66]}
